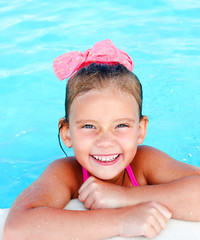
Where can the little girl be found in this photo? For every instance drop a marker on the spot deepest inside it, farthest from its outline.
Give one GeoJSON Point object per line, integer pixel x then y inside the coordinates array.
{"type": "Point", "coordinates": [130, 190]}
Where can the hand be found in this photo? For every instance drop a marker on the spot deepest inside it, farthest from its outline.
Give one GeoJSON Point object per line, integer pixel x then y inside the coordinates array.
{"type": "Point", "coordinates": [144, 219]}
{"type": "Point", "coordinates": [96, 194]}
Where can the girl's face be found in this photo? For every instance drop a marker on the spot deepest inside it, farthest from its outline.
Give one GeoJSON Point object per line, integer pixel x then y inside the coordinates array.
{"type": "Point", "coordinates": [104, 131]}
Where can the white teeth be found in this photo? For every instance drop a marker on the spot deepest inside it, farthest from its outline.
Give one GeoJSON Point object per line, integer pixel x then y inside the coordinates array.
{"type": "Point", "coordinates": [106, 158]}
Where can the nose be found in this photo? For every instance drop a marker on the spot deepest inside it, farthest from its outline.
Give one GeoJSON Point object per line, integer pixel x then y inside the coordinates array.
{"type": "Point", "coordinates": [105, 140]}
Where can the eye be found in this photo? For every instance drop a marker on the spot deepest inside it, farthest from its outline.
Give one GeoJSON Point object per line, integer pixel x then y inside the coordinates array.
{"type": "Point", "coordinates": [90, 126]}
{"type": "Point", "coordinates": [122, 125]}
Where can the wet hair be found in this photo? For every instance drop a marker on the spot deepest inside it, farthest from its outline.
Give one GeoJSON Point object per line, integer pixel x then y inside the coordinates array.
{"type": "Point", "coordinates": [100, 76]}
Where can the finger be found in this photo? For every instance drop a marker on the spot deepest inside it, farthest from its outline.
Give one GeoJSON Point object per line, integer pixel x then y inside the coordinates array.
{"type": "Point", "coordinates": [82, 197]}
{"type": "Point", "coordinates": [161, 215]}
{"type": "Point", "coordinates": [86, 183]}
{"type": "Point", "coordinates": [157, 223]}
{"type": "Point", "coordinates": [149, 232]}
{"type": "Point", "coordinates": [163, 210]}
{"type": "Point", "coordinates": [157, 217]}
{"type": "Point", "coordinates": [94, 206]}
{"type": "Point", "coordinates": [83, 194]}
{"type": "Point", "coordinates": [89, 202]}
{"type": "Point", "coordinates": [161, 220]}
{"type": "Point", "coordinates": [86, 190]}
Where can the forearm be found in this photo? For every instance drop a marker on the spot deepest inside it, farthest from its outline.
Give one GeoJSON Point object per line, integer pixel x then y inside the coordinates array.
{"type": "Point", "coordinates": [51, 223]}
{"type": "Point", "coordinates": [181, 197]}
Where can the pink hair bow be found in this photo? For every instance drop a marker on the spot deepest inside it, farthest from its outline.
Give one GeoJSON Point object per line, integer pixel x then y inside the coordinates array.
{"type": "Point", "coordinates": [104, 52]}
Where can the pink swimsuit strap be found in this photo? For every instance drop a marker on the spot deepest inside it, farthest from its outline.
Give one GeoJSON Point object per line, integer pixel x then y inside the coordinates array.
{"type": "Point", "coordinates": [132, 176]}
{"type": "Point", "coordinates": [128, 169]}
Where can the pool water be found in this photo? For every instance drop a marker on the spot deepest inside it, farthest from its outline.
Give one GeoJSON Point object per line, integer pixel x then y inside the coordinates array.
{"type": "Point", "coordinates": [161, 36]}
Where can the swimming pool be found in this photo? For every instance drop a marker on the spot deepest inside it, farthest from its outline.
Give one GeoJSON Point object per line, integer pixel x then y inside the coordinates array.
{"type": "Point", "coordinates": [163, 39]}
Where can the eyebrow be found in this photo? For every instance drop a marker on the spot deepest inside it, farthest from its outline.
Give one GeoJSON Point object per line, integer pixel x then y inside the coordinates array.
{"type": "Point", "coordinates": [85, 121]}
{"type": "Point", "coordinates": [82, 121]}
{"type": "Point", "coordinates": [125, 120]}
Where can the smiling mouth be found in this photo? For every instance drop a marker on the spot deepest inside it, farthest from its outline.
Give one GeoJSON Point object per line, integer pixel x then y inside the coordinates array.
{"type": "Point", "coordinates": [104, 158]}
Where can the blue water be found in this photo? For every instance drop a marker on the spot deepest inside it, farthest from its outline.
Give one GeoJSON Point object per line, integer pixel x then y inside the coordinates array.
{"type": "Point", "coordinates": [161, 36]}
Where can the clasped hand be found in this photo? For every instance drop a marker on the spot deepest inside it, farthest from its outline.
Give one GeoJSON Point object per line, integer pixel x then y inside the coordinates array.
{"type": "Point", "coordinates": [96, 194]}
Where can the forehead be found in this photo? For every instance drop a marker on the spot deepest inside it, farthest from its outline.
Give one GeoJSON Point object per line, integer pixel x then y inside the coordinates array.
{"type": "Point", "coordinates": [104, 101]}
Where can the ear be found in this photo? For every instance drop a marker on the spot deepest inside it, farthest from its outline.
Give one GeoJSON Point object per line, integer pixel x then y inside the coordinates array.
{"type": "Point", "coordinates": [142, 129]}
{"type": "Point", "coordinates": [65, 133]}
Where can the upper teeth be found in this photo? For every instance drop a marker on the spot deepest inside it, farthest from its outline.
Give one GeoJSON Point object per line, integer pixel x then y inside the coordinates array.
{"type": "Point", "coordinates": [105, 158]}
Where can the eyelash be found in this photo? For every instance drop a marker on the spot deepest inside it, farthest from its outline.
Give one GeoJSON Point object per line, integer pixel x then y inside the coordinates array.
{"type": "Point", "coordinates": [90, 126]}
{"type": "Point", "coordinates": [122, 125]}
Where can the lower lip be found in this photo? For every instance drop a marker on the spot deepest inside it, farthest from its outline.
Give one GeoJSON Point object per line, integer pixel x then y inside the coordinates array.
{"type": "Point", "coordinates": [106, 163]}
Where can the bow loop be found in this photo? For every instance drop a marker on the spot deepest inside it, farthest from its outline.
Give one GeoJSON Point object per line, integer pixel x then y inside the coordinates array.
{"type": "Point", "coordinates": [65, 65]}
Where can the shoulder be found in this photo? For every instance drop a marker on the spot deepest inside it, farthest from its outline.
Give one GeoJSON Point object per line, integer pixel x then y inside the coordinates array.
{"type": "Point", "coordinates": [66, 171]}
{"type": "Point", "coordinates": [63, 164]}
{"type": "Point", "coordinates": [157, 167]}
{"type": "Point", "coordinates": [149, 156]}
{"type": "Point", "coordinates": [58, 183]}
{"type": "Point", "coordinates": [145, 152]}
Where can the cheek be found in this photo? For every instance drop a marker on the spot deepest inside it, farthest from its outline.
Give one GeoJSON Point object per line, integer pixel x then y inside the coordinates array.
{"type": "Point", "coordinates": [128, 142]}
{"type": "Point", "coordinates": [129, 145]}
{"type": "Point", "coordinates": [81, 141]}
{"type": "Point", "coordinates": [128, 139]}
{"type": "Point", "coordinates": [129, 134]}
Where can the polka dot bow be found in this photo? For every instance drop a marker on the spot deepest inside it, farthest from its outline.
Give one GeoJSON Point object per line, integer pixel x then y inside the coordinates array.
{"type": "Point", "coordinates": [104, 52]}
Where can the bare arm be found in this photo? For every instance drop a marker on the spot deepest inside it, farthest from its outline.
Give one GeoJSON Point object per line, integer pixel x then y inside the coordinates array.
{"type": "Point", "coordinates": [161, 178]}
{"type": "Point", "coordinates": [53, 223]}
{"type": "Point", "coordinates": [38, 212]}
{"type": "Point", "coordinates": [172, 183]}
{"type": "Point", "coordinates": [181, 197]}
{"type": "Point", "coordinates": [146, 219]}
